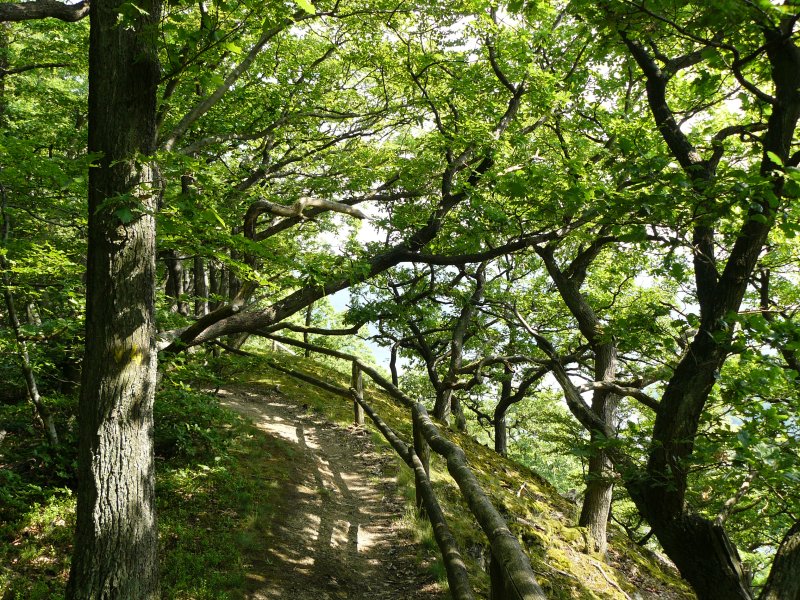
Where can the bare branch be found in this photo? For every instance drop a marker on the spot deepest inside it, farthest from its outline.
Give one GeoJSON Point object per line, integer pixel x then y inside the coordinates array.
{"type": "Point", "coordinates": [18, 70]}
{"type": "Point", "coordinates": [43, 9]}
{"type": "Point", "coordinates": [296, 209]}
{"type": "Point", "coordinates": [621, 390]}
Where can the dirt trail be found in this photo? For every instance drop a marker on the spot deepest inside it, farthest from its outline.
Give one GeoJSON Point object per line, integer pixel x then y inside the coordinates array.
{"type": "Point", "coordinates": [335, 536]}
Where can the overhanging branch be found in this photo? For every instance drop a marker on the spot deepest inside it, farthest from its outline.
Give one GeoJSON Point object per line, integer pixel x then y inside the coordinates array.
{"type": "Point", "coordinates": [43, 9]}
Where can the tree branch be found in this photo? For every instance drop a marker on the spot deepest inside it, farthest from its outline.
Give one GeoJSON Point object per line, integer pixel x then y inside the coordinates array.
{"type": "Point", "coordinates": [209, 101]}
{"type": "Point", "coordinates": [17, 70]}
{"type": "Point", "coordinates": [621, 390]}
{"type": "Point", "coordinates": [43, 9]}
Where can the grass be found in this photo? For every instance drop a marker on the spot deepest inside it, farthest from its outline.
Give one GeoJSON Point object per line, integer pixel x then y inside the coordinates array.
{"type": "Point", "coordinates": [219, 483]}
{"type": "Point", "coordinates": [543, 521]}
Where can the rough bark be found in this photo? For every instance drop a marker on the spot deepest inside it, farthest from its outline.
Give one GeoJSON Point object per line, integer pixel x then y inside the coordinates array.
{"type": "Point", "coordinates": [115, 555]}
{"type": "Point", "coordinates": [784, 577]}
{"type": "Point", "coordinates": [43, 9]}
{"type": "Point", "coordinates": [701, 549]}
{"type": "Point", "coordinates": [599, 482]}
{"type": "Point", "coordinates": [599, 485]}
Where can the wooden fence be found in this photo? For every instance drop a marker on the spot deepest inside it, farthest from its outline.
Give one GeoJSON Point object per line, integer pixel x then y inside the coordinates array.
{"type": "Point", "coordinates": [511, 576]}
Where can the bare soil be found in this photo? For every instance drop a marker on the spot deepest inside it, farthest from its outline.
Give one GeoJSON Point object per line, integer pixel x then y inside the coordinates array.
{"type": "Point", "coordinates": [339, 531]}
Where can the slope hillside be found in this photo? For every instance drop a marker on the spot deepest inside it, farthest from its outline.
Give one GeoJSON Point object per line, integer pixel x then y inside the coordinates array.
{"type": "Point", "coordinates": [543, 521]}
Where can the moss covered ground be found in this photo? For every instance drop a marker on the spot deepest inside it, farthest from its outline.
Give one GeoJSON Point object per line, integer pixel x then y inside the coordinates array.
{"type": "Point", "coordinates": [219, 481]}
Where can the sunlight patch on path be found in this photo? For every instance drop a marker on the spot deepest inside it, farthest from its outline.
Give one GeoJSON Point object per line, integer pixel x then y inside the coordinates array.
{"type": "Point", "coordinates": [334, 536]}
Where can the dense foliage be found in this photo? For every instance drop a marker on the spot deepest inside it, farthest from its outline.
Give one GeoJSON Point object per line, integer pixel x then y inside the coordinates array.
{"type": "Point", "coordinates": [573, 227]}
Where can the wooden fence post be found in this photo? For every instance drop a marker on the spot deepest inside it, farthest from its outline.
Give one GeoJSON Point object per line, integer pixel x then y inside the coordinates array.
{"type": "Point", "coordinates": [357, 383]}
{"type": "Point", "coordinates": [422, 450]}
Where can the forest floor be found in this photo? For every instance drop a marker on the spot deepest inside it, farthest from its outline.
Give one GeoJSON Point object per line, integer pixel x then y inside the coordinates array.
{"type": "Point", "coordinates": [338, 531]}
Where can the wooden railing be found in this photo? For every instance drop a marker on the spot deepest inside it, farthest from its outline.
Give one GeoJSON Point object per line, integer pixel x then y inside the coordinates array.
{"type": "Point", "coordinates": [511, 576]}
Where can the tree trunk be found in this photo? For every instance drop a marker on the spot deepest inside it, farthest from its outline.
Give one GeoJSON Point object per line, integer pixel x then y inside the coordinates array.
{"type": "Point", "coordinates": [458, 413]}
{"type": "Point", "coordinates": [393, 365]}
{"type": "Point", "coordinates": [309, 312]}
{"type": "Point", "coordinates": [115, 555]}
{"type": "Point", "coordinates": [174, 286]}
{"type": "Point", "coordinates": [784, 578]}
{"type": "Point", "coordinates": [599, 487]}
{"type": "Point", "coordinates": [446, 401]}
{"type": "Point", "coordinates": [200, 288]}
{"type": "Point", "coordinates": [597, 499]}
{"type": "Point", "coordinates": [442, 405]}
{"type": "Point", "coordinates": [27, 368]}
{"type": "Point", "coordinates": [500, 427]}
{"type": "Point", "coordinates": [500, 435]}
{"type": "Point", "coordinates": [357, 386]}
{"type": "Point", "coordinates": [234, 283]}
{"type": "Point", "coordinates": [599, 484]}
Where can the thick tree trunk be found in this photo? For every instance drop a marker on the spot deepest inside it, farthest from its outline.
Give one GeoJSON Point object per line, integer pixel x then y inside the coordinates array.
{"type": "Point", "coordinates": [115, 554]}
{"type": "Point", "coordinates": [458, 413]}
{"type": "Point", "coordinates": [701, 549]}
{"type": "Point", "coordinates": [597, 500]}
{"type": "Point", "coordinates": [784, 578]}
{"type": "Point", "coordinates": [441, 407]}
{"type": "Point", "coordinates": [500, 427]}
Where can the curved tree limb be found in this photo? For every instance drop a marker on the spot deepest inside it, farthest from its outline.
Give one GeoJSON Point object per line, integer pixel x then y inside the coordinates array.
{"type": "Point", "coordinates": [43, 9]}
{"type": "Point", "coordinates": [621, 390]}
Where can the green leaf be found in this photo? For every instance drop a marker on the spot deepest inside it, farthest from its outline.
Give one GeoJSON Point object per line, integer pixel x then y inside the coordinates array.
{"type": "Point", "coordinates": [124, 214]}
{"type": "Point", "coordinates": [775, 158]}
{"type": "Point", "coordinates": [307, 6]}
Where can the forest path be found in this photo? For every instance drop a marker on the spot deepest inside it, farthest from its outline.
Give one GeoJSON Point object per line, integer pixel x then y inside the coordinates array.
{"type": "Point", "coordinates": [335, 534]}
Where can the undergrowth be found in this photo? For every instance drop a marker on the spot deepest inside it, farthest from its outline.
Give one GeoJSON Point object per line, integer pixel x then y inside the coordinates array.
{"type": "Point", "coordinates": [216, 488]}
{"type": "Point", "coordinates": [219, 481]}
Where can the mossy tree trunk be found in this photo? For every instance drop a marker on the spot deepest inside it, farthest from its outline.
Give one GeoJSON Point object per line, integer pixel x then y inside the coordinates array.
{"type": "Point", "coordinates": [115, 554]}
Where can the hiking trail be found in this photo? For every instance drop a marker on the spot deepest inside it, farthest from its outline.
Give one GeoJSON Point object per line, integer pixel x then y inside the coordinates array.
{"type": "Point", "coordinates": [337, 532]}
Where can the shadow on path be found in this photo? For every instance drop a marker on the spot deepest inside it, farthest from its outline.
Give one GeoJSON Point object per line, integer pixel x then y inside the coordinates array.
{"type": "Point", "coordinates": [336, 534]}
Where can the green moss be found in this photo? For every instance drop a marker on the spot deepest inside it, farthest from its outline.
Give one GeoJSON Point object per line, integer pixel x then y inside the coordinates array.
{"type": "Point", "coordinates": [542, 520]}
